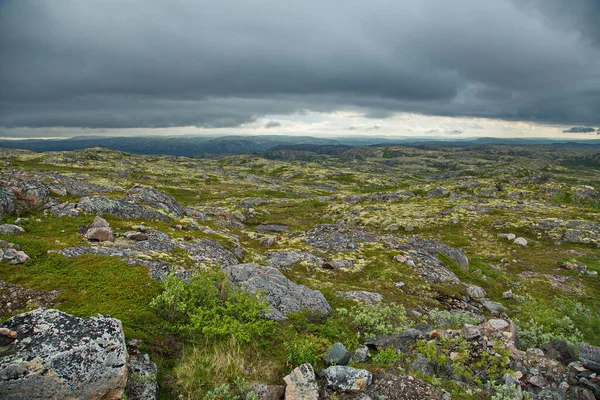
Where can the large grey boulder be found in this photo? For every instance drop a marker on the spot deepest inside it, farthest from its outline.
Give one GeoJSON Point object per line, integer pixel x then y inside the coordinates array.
{"type": "Point", "coordinates": [119, 208]}
{"type": "Point", "coordinates": [59, 356]}
{"type": "Point", "coordinates": [283, 295]}
{"type": "Point", "coordinates": [141, 379]}
{"type": "Point", "coordinates": [347, 379]}
{"type": "Point", "coordinates": [156, 199]}
{"type": "Point", "coordinates": [301, 384]}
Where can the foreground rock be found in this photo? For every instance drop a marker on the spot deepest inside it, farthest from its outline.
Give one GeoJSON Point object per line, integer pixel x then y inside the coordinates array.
{"type": "Point", "coordinates": [59, 356]}
{"type": "Point", "coordinates": [347, 379]}
{"type": "Point", "coordinates": [301, 384]}
{"type": "Point", "coordinates": [283, 295]}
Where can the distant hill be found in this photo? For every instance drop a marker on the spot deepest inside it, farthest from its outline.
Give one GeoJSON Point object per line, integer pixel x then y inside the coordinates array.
{"type": "Point", "coordinates": [276, 145]}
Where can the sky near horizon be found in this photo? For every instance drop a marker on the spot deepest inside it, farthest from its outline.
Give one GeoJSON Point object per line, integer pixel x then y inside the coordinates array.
{"type": "Point", "coordinates": [468, 68]}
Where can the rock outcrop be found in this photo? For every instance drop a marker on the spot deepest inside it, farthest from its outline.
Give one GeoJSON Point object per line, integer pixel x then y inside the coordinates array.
{"type": "Point", "coordinates": [283, 295]}
{"type": "Point", "coordinates": [120, 208]}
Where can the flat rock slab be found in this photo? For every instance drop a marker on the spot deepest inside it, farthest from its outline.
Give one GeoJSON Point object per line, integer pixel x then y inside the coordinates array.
{"type": "Point", "coordinates": [156, 199]}
{"type": "Point", "coordinates": [371, 298]}
{"type": "Point", "coordinates": [283, 259]}
{"type": "Point", "coordinates": [272, 228]}
{"type": "Point", "coordinates": [59, 356]}
{"type": "Point", "coordinates": [337, 238]}
{"type": "Point", "coordinates": [283, 295]}
{"type": "Point", "coordinates": [120, 208]}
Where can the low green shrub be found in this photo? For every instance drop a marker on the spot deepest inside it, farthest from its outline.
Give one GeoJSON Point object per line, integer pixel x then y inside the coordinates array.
{"type": "Point", "coordinates": [453, 319]}
{"type": "Point", "coordinates": [385, 356]}
{"type": "Point", "coordinates": [211, 307]}
{"type": "Point", "coordinates": [566, 320]}
{"type": "Point", "coordinates": [377, 320]}
{"type": "Point", "coordinates": [304, 349]}
{"type": "Point", "coordinates": [237, 391]}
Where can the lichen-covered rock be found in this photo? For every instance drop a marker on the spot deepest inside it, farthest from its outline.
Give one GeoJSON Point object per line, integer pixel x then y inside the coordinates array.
{"type": "Point", "coordinates": [301, 384]}
{"type": "Point", "coordinates": [475, 292]}
{"type": "Point", "coordinates": [337, 238]}
{"type": "Point", "coordinates": [141, 378]}
{"type": "Point", "coordinates": [401, 342]}
{"type": "Point", "coordinates": [422, 255]}
{"type": "Point", "coordinates": [269, 392]}
{"type": "Point", "coordinates": [590, 357]}
{"type": "Point", "coordinates": [371, 298]}
{"type": "Point", "coordinates": [119, 208]}
{"type": "Point", "coordinates": [156, 199]}
{"type": "Point", "coordinates": [59, 356]}
{"type": "Point", "coordinates": [520, 241]}
{"type": "Point", "coordinates": [283, 259]}
{"type": "Point", "coordinates": [272, 228]}
{"type": "Point", "coordinates": [388, 384]}
{"type": "Point", "coordinates": [8, 201]}
{"type": "Point", "coordinates": [434, 248]}
{"type": "Point", "coordinates": [283, 295]}
{"type": "Point", "coordinates": [13, 256]}
{"type": "Point", "coordinates": [347, 379]}
{"type": "Point", "coordinates": [77, 187]}
{"type": "Point", "coordinates": [10, 229]}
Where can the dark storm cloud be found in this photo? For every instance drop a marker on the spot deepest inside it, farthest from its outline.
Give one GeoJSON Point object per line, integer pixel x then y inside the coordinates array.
{"type": "Point", "coordinates": [151, 63]}
{"type": "Point", "coordinates": [272, 124]}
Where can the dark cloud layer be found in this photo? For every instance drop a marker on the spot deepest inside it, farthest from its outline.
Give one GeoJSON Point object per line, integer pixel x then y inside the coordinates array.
{"type": "Point", "coordinates": [152, 63]}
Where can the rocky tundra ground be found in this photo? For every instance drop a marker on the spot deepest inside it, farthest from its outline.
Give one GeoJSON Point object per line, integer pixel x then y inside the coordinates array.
{"type": "Point", "coordinates": [379, 272]}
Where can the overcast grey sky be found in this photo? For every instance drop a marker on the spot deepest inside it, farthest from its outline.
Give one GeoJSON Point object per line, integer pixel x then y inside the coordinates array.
{"type": "Point", "coordinates": [131, 64]}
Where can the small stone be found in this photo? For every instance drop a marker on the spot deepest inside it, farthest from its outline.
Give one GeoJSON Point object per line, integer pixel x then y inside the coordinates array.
{"type": "Point", "coordinates": [100, 234]}
{"type": "Point", "coordinates": [509, 236]}
{"type": "Point", "coordinates": [337, 354]}
{"type": "Point", "coordinates": [141, 228]}
{"type": "Point", "coordinates": [507, 295]}
{"type": "Point", "coordinates": [520, 241]}
{"type": "Point", "coordinates": [100, 222]}
{"type": "Point", "coordinates": [537, 381]}
{"type": "Point", "coordinates": [10, 229]}
{"type": "Point", "coordinates": [360, 354]}
{"type": "Point", "coordinates": [475, 292]}
{"type": "Point", "coordinates": [399, 284]}
{"type": "Point", "coordinates": [471, 332]}
{"type": "Point", "coordinates": [498, 324]}
{"type": "Point", "coordinates": [400, 258]}
{"type": "Point", "coordinates": [269, 392]}
{"type": "Point", "coordinates": [267, 241]}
